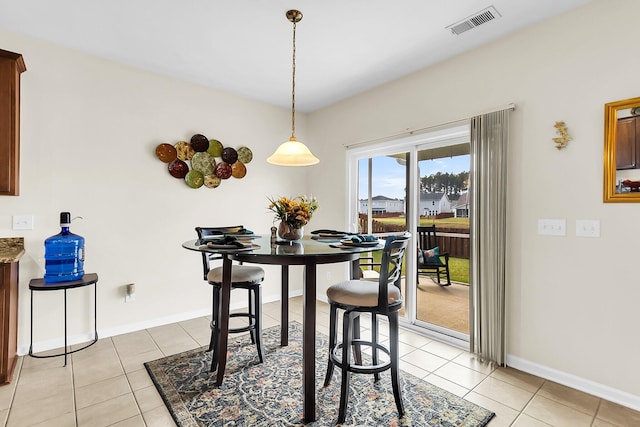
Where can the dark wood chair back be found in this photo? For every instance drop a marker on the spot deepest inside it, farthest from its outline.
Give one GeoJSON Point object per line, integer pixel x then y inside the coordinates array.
{"type": "Point", "coordinates": [212, 231]}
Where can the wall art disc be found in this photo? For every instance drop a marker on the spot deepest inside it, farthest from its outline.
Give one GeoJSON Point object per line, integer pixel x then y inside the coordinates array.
{"type": "Point", "coordinates": [166, 153]}
{"type": "Point", "coordinates": [212, 181]}
{"type": "Point", "coordinates": [245, 155]}
{"type": "Point", "coordinates": [194, 179]}
{"type": "Point", "coordinates": [185, 151]}
{"type": "Point", "coordinates": [203, 162]}
{"type": "Point", "coordinates": [223, 170]}
{"type": "Point", "coordinates": [178, 168]}
{"type": "Point", "coordinates": [215, 148]}
{"type": "Point", "coordinates": [199, 142]}
{"type": "Point", "coordinates": [229, 155]}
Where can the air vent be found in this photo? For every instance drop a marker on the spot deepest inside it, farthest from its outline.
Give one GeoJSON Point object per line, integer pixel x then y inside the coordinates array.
{"type": "Point", "coordinates": [479, 18]}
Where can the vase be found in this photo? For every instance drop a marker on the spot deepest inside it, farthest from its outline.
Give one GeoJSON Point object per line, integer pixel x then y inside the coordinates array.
{"type": "Point", "coordinates": [288, 232]}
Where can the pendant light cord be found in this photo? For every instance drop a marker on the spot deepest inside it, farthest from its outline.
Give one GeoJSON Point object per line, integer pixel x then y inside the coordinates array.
{"type": "Point", "coordinates": [293, 86]}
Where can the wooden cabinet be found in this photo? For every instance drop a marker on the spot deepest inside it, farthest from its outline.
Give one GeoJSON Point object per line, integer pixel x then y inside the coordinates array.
{"type": "Point", "coordinates": [11, 66]}
{"type": "Point", "coordinates": [628, 143]}
{"type": "Point", "coordinates": [9, 320]}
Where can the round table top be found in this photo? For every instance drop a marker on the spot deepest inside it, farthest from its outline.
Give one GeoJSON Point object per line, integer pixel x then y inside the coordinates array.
{"type": "Point", "coordinates": [298, 252]}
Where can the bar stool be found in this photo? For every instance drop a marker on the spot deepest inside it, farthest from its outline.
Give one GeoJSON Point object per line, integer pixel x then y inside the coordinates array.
{"type": "Point", "coordinates": [242, 277]}
{"type": "Point", "coordinates": [356, 297]}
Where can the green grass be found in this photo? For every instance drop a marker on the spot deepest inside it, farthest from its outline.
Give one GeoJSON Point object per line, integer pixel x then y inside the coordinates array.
{"type": "Point", "coordinates": [458, 267]}
{"type": "Point", "coordinates": [444, 222]}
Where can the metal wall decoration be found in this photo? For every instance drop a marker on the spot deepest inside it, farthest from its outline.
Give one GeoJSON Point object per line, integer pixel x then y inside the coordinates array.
{"type": "Point", "coordinates": [204, 162]}
{"type": "Point", "coordinates": [564, 138]}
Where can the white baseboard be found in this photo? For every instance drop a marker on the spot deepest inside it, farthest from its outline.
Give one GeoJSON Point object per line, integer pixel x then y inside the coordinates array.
{"type": "Point", "coordinates": [131, 327]}
{"type": "Point", "coordinates": [600, 390]}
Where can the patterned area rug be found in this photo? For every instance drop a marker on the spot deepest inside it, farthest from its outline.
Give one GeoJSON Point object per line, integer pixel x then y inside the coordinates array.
{"type": "Point", "coordinates": [270, 394]}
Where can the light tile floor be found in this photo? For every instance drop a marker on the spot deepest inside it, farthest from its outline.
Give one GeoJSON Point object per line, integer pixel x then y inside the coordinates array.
{"type": "Point", "coordinates": [107, 385]}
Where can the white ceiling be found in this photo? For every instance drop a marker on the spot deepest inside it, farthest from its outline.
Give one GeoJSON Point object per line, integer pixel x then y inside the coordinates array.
{"type": "Point", "coordinates": [344, 47]}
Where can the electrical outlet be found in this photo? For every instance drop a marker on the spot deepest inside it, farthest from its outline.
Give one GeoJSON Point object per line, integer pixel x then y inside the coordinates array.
{"type": "Point", "coordinates": [552, 227]}
{"type": "Point", "coordinates": [23, 222]}
{"type": "Point", "coordinates": [587, 228]}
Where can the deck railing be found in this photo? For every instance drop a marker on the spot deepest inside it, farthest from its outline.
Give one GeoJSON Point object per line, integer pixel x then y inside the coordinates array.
{"type": "Point", "coordinates": [455, 241]}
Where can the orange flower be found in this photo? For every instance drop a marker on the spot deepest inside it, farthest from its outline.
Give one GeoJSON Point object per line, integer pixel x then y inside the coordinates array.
{"type": "Point", "coordinates": [296, 211]}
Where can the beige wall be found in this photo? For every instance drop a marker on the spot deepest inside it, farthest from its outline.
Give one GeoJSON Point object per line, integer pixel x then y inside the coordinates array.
{"type": "Point", "coordinates": [89, 132]}
{"type": "Point", "coordinates": [573, 302]}
{"type": "Point", "coordinates": [89, 129]}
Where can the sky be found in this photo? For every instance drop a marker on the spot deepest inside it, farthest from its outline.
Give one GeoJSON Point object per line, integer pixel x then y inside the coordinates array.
{"type": "Point", "coordinates": [388, 177]}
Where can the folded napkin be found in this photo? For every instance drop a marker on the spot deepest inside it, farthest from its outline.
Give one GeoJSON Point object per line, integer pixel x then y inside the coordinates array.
{"type": "Point", "coordinates": [225, 241]}
{"type": "Point", "coordinates": [241, 232]}
{"type": "Point", "coordinates": [360, 238]}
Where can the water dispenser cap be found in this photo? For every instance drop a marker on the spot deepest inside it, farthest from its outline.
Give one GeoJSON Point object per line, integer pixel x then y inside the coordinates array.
{"type": "Point", "coordinates": [65, 218]}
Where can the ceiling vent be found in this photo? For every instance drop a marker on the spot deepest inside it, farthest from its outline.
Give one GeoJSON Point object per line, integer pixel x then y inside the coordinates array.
{"type": "Point", "coordinates": [479, 18]}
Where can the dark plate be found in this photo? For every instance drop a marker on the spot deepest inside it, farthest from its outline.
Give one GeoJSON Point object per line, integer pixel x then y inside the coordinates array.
{"type": "Point", "coordinates": [229, 155]}
{"type": "Point", "coordinates": [199, 143]}
{"type": "Point", "coordinates": [178, 168]}
{"type": "Point", "coordinates": [223, 170]}
{"type": "Point", "coordinates": [348, 242]}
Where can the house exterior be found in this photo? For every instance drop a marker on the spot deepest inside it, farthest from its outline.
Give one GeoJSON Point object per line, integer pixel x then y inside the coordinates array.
{"type": "Point", "coordinates": [381, 205]}
{"type": "Point", "coordinates": [432, 204]}
{"type": "Point", "coordinates": [460, 207]}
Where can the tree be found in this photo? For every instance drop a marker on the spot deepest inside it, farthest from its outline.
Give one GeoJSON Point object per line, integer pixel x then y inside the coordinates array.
{"type": "Point", "coordinates": [447, 183]}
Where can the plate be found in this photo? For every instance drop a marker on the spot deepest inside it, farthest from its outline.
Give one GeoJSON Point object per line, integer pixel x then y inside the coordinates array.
{"type": "Point", "coordinates": [229, 155]}
{"type": "Point", "coordinates": [194, 179]}
{"type": "Point", "coordinates": [199, 143]}
{"type": "Point", "coordinates": [166, 153]}
{"type": "Point", "coordinates": [332, 235]}
{"type": "Point", "coordinates": [178, 168]}
{"type": "Point", "coordinates": [245, 155]}
{"type": "Point", "coordinates": [238, 170]}
{"type": "Point", "coordinates": [203, 162]}
{"type": "Point", "coordinates": [185, 151]}
{"type": "Point", "coordinates": [348, 242]}
{"type": "Point", "coordinates": [212, 181]}
{"type": "Point", "coordinates": [215, 148]}
{"type": "Point", "coordinates": [223, 170]}
{"type": "Point", "coordinates": [231, 247]}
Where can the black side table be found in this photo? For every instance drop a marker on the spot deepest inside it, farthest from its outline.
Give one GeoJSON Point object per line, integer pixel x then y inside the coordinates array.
{"type": "Point", "coordinates": [86, 280]}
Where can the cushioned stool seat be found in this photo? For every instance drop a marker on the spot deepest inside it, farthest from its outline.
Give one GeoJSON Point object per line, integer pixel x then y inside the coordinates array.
{"type": "Point", "coordinates": [239, 273]}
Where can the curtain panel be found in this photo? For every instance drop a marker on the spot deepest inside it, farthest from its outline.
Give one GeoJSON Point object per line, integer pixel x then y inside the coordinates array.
{"type": "Point", "coordinates": [488, 183]}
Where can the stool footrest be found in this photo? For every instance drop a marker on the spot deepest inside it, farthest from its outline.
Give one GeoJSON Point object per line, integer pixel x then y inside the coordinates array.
{"type": "Point", "coordinates": [362, 369]}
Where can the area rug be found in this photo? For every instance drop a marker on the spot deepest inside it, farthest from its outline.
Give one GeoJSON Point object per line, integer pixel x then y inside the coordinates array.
{"type": "Point", "coordinates": [270, 393]}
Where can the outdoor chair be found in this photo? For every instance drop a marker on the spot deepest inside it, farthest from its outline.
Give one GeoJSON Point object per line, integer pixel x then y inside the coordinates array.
{"type": "Point", "coordinates": [242, 277]}
{"type": "Point", "coordinates": [356, 297]}
{"type": "Point", "coordinates": [430, 258]}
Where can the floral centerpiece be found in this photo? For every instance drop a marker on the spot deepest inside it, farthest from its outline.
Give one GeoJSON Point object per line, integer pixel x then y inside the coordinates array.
{"type": "Point", "coordinates": [293, 213]}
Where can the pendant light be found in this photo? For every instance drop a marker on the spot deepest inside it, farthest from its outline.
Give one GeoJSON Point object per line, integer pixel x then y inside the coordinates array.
{"type": "Point", "coordinates": [293, 152]}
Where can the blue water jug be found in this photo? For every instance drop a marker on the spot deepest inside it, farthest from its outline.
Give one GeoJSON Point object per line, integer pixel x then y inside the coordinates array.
{"type": "Point", "coordinates": [64, 254]}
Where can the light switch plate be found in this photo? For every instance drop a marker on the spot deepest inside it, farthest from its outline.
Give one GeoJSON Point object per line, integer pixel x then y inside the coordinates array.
{"type": "Point", "coordinates": [552, 227]}
{"type": "Point", "coordinates": [23, 222]}
{"type": "Point", "coordinates": [587, 228]}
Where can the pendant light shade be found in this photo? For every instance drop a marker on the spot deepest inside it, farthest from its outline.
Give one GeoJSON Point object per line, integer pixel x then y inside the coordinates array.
{"type": "Point", "coordinates": [293, 152]}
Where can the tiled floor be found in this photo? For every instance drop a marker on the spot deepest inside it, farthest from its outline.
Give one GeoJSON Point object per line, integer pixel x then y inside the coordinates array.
{"type": "Point", "coordinates": [107, 385]}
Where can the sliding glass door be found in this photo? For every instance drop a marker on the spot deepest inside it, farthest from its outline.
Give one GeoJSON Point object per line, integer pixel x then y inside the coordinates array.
{"type": "Point", "coordinates": [442, 303]}
{"type": "Point", "coordinates": [405, 183]}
